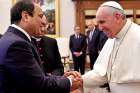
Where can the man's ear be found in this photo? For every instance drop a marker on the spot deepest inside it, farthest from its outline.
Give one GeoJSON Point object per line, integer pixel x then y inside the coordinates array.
{"type": "Point", "coordinates": [25, 16]}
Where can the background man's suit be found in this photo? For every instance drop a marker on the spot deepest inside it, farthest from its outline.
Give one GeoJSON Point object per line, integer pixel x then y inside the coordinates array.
{"type": "Point", "coordinates": [50, 56]}
{"type": "Point", "coordinates": [20, 70]}
{"type": "Point", "coordinates": [78, 45]}
{"type": "Point", "coordinates": [102, 40]}
{"type": "Point", "coordinates": [0, 35]}
{"type": "Point", "coordinates": [93, 46]}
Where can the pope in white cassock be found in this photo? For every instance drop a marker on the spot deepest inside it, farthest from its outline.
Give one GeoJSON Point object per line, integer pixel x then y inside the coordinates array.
{"type": "Point", "coordinates": [119, 61]}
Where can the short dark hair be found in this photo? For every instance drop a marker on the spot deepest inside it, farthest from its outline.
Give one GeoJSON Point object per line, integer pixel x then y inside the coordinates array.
{"type": "Point", "coordinates": [19, 7]}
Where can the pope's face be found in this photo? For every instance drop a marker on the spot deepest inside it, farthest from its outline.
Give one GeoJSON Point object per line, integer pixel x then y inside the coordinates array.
{"type": "Point", "coordinates": [106, 22]}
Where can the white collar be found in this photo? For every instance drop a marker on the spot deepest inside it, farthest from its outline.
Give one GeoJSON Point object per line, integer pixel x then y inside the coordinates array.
{"type": "Point", "coordinates": [124, 30]}
{"type": "Point", "coordinates": [22, 30]}
{"type": "Point", "coordinates": [37, 38]}
{"type": "Point", "coordinates": [91, 31]}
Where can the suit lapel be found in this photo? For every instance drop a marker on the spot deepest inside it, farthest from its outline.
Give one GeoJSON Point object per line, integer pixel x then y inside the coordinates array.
{"type": "Point", "coordinates": [19, 33]}
{"type": "Point", "coordinates": [94, 35]}
{"type": "Point", "coordinates": [23, 36]}
{"type": "Point", "coordinates": [35, 51]}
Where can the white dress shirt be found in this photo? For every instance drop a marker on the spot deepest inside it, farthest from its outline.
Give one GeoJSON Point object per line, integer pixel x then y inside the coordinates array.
{"type": "Point", "coordinates": [91, 34]}
{"type": "Point", "coordinates": [22, 30]}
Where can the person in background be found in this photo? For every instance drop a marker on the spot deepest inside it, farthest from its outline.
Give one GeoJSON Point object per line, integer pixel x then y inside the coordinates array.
{"type": "Point", "coordinates": [49, 53]}
{"type": "Point", "coordinates": [78, 46]}
{"type": "Point", "coordinates": [119, 61]}
{"type": "Point", "coordinates": [20, 64]}
{"type": "Point", "coordinates": [93, 36]}
{"type": "Point", "coordinates": [102, 40]}
{"type": "Point", "coordinates": [51, 28]}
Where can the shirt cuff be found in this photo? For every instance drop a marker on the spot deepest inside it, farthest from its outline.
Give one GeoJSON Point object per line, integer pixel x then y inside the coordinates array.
{"type": "Point", "coordinates": [70, 81]}
{"type": "Point", "coordinates": [81, 53]}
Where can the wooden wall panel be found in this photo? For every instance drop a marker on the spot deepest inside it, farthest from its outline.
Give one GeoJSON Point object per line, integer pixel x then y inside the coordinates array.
{"type": "Point", "coordinates": [82, 5]}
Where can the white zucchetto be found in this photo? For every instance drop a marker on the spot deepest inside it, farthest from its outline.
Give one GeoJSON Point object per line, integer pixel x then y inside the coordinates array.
{"type": "Point", "coordinates": [112, 4]}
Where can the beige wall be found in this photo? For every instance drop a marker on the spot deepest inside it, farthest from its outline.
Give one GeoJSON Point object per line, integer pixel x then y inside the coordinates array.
{"type": "Point", "coordinates": [4, 14]}
{"type": "Point", "coordinates": [67, 16]}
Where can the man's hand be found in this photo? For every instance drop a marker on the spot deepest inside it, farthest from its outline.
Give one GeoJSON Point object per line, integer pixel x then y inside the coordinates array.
{"type": "Point", "coordinates": [77, 54]}
{"type": "Point", "coordinates": [75, 76]}
{"type": "Point", "coordinates": [76, 83]}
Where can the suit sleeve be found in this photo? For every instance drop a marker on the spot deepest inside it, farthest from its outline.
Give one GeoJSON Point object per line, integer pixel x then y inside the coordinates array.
{"type": "Point", "coordinates": [71, 45]}
{"type": "Point", "coordinates": [59, 69]}
{"type": "Point", "coordinates": [27, 73]}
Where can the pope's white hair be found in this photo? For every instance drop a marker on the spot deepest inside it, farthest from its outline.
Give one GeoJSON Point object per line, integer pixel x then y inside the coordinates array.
{"type": "Point", "coordinates": [113, 7]}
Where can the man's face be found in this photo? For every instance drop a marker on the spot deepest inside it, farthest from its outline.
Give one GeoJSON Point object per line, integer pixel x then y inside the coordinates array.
{"type": "Point", "coordinates": [90, 25]}
{"type": "Point", "coordinates": [106, 22]}
{"type": "Point", "coordinates": [36, 22]}
{"type": "Point", "coordinates": [77, 29]}
{"type": "Point", "coordinates": [44, 28]}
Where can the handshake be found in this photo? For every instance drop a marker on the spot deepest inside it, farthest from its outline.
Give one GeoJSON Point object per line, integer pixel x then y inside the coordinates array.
{"type": "Point", "coordinates": [76, 79]}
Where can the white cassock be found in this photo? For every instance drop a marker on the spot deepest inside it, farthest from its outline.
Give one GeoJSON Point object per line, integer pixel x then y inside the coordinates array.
{"type": "Point", "coordinates": [121, 69]}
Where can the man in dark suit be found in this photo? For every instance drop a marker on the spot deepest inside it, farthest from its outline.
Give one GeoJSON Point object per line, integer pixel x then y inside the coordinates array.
{"type": "Point", "coordinates": [20, 65]}
{"type": "Point", "coordinates": [50, 56]}
{"type": "Point", "coordinates": [49, 53]}
{"type": "Point", "coordinates": [93, 41]}
{"type": "Point", "coordinates": [103, 38]}
{"type": "Point", "coordinates": [78, 49]}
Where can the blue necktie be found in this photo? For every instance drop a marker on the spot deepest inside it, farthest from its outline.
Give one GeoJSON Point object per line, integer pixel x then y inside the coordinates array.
{"type": "Point", "coordinates": [90, 35]}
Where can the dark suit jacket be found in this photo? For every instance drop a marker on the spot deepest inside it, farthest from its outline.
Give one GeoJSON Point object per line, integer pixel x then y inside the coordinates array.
{"type": "Point", "coordinates": [78, 45]}
{"type": "Point", "coordinates": [102, 40]}
{"type": "Point", "coordinates": [50, 56]}
{"type": "Point", "coordinates": [0, 35]}
{"type": "Point", "coordinates": [20, 70]}
{"type": "Point", "coordinates": [93, 43]}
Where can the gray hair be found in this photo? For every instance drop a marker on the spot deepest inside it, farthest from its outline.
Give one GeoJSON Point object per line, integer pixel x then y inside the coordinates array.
{"type": "Point", "coordinates": [113, 9]}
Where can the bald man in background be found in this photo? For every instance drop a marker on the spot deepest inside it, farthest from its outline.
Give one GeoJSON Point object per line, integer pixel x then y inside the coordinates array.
{"type": "Point", "coordinates": [93, 37]}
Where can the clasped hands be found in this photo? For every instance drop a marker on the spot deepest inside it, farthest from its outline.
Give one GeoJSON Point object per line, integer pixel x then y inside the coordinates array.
{"type": "Point", "coordinates": [77, 81]}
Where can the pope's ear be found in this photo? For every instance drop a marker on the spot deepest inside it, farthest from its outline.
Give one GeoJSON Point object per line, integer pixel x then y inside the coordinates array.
{"type": "Point", "coordinates": [118, 16]}
{"type": "Point", "coordinates": [24, 16]}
